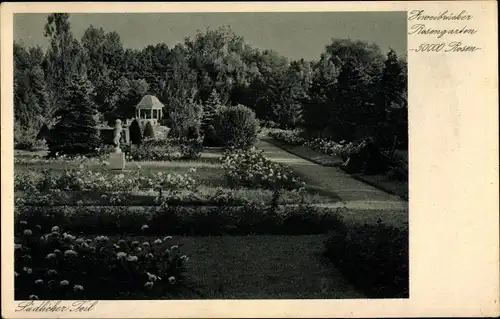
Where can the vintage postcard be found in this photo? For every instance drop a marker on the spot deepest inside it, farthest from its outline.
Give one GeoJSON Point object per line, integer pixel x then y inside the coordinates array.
{"type": "Point", "coordinates": [249, 159]}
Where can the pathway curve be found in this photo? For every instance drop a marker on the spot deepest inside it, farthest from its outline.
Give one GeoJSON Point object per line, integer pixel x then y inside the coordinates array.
{"type": "Point", "coordinates": [354, 193]}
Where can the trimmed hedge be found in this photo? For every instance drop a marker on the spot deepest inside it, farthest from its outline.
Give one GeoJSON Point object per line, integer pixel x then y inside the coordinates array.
{"type": "Point", "coordinates": [183, 220]}
{"type": "Point", "coordinates": [374, 258]}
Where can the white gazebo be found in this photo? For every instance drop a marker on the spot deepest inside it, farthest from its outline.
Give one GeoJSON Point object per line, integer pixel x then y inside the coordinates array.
{"type": "Point", "coordinates": [150, 109]}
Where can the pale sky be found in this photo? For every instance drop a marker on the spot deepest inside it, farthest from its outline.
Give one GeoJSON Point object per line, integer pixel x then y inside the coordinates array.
{"type": "Point", "coordinates": [294, 35]}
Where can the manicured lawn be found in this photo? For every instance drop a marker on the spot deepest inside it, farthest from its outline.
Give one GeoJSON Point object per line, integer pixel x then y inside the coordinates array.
{"type": "Point", "coordinates": [259, 267]}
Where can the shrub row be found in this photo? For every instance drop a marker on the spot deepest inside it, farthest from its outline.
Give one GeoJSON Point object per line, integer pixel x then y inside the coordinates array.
{"type": "Point", "coordinates": [183, 220]}
{"type": "Point", "coordinates": [373, 258]}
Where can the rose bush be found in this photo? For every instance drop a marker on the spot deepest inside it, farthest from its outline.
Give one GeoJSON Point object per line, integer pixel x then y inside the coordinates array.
{"type": "Point", "coordinates": [291, 137]}
{"type": "Point", "coordinates": [53, 264]}
{"type": "Point", "coordinates": [83, 179]}
{"type": "Point", "coordinates": [249, 168]}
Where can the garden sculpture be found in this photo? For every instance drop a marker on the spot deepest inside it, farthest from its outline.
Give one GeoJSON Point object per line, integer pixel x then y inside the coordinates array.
{"type": "Point", "coordinates": [117, 136]}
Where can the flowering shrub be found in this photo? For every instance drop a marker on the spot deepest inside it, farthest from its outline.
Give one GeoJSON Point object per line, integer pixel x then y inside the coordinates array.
{"type": "Point", "coordinates": [249, 168]}
{"type": "Point", "coordinates": [166, 150]}
{"type": "Point", "coordinates": [335, 149]}
{"type": "Point", "coordinates": [58, 265]}
{"type": "Point", "coordinates": [82, 179]}
{"type": "Point", "coordinates": [322, 145]}
{"type": "Point", "coordinates": [151, 150]}
{"type": "Point", "coordinates": [191, 148]}
{"type": "Point", "coordinates": [287, 136]}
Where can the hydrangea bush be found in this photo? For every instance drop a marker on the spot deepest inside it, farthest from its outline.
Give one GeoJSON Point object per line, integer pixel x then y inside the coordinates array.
{"type": "Point", "coordinates": [53, 264]}
{"type": "Point", "coordinates": [249, 168]}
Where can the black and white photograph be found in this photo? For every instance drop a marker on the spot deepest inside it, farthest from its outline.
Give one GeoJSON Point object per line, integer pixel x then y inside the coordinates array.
{"type": "Point", "coordinates": [164, 156]}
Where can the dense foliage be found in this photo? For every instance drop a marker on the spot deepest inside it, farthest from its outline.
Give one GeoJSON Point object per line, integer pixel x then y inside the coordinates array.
{"type": "Point", "coordinates": [236, 126]}
{"type": "Point", "coordinates": [352, 91]}
{"type": "Point", "coordinates": [373, 257]}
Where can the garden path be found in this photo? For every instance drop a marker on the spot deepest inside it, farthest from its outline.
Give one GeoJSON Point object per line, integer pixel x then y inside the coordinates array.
{"type": "Point", "coordinates": [354, 193]}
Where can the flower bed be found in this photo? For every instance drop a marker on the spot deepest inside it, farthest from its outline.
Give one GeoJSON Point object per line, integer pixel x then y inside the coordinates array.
{"type": "Point", "coordinates": [165, 150]}
{"type": "Point", "coordinates": [84, 179]}
{"type": "Point", "coordinates": [288, 136]}
{"type": "Point", "coordinates": [52, 264]}
{"type": "Point", "coordinates": [373, 257]}
{"type": "Point", "coordinates": [249, 168]}
{"type": "Point", "coordinates": [322, 145]}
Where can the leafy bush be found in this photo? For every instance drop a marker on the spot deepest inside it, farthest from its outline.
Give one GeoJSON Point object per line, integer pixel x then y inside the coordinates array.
{"type": "Point", "coordinates": [24, 137]}
{"type": "Point", "coordinates": [57, 265]}
{"type": "Point", "coordinates": [373, 257]}
{"type": "Point", "coordinates": [250, 168]}
{"type": "Point", "coordinates": [191, 148]}
{"type": "Point", "coordinates": [236, 126]}
{"type": "Point", "coordinates": [183, 116]}
{"type": "Point", "coordinates": [149, 131]}
{"type": "Point", "coordinates": [135, 132]}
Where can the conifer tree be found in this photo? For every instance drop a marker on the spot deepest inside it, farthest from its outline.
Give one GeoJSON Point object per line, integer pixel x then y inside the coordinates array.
{"type": "Point", "coordinates": [210, 109]}
{"type": "Point", "coordinates": [149, 131]}
{"type": "Point", "coordinates": [135, 133]}
{"type": "Point", "coordinates": [75, 132]}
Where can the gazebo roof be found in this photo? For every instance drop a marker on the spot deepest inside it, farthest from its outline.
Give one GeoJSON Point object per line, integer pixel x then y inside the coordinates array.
{"type": "Point", "coordinates": [149, 102]}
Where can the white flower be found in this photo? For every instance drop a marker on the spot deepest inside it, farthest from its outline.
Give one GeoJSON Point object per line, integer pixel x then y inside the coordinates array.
{"type": "Point", "coordinates": [55, 229]}
{"type": "Point", "coordinates": [64, 283]}
{"type": "Point", "coordinates": [121, 255]}
{"type": "Point", "coordinates": [171, 279]}
{"type": "Point", "coordinates": [148, 285]}
{"type": "Point", "coordinates": [144, 227]}
{"type": "Point", "coordinates": [70, 252]}
{"type": "Point", "coordinates": [167, 238]}
{"type": "Point", "coordinates": [33, 297]}
{"type": "Point", "coordinates": [158, 241]}
{"type": "Point", "coordinates": [39, 281]}
{"type": "Point", "coordinates": [27, 232]}
{"type": "Point", "coordinates": [18, 246]}
{"type": "Point", "coordinates": [78, 288]}
{"type": "Point", "coordinates": [51, 256]}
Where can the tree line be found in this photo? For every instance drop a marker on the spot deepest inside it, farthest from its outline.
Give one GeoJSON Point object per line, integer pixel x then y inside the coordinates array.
{"type": "Point", "coordinates": [352, 91]}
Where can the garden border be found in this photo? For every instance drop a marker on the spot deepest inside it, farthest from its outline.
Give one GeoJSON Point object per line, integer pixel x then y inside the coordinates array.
{"type": "Point", "coordinates": [358, 177]}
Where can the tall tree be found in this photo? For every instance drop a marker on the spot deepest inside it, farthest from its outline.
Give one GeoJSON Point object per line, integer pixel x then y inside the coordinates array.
{"type": "Point", "coordinates": [75, 132]}
{"type": "Point", "coordinates": [64, 57]}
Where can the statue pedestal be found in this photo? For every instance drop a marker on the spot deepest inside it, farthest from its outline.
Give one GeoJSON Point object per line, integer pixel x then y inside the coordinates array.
{"type": "Point", "coordinates": [117, 161]}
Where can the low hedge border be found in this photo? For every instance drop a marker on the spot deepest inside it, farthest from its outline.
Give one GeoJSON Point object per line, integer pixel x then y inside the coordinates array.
{"type": "Point", "coordinates": [183, 220]}
{"type": "Point", "coordinates": [374, 258]}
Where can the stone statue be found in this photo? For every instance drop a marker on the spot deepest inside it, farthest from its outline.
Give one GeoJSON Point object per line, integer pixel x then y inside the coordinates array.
{"type": "Point", "coordinates": [117, 135]}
